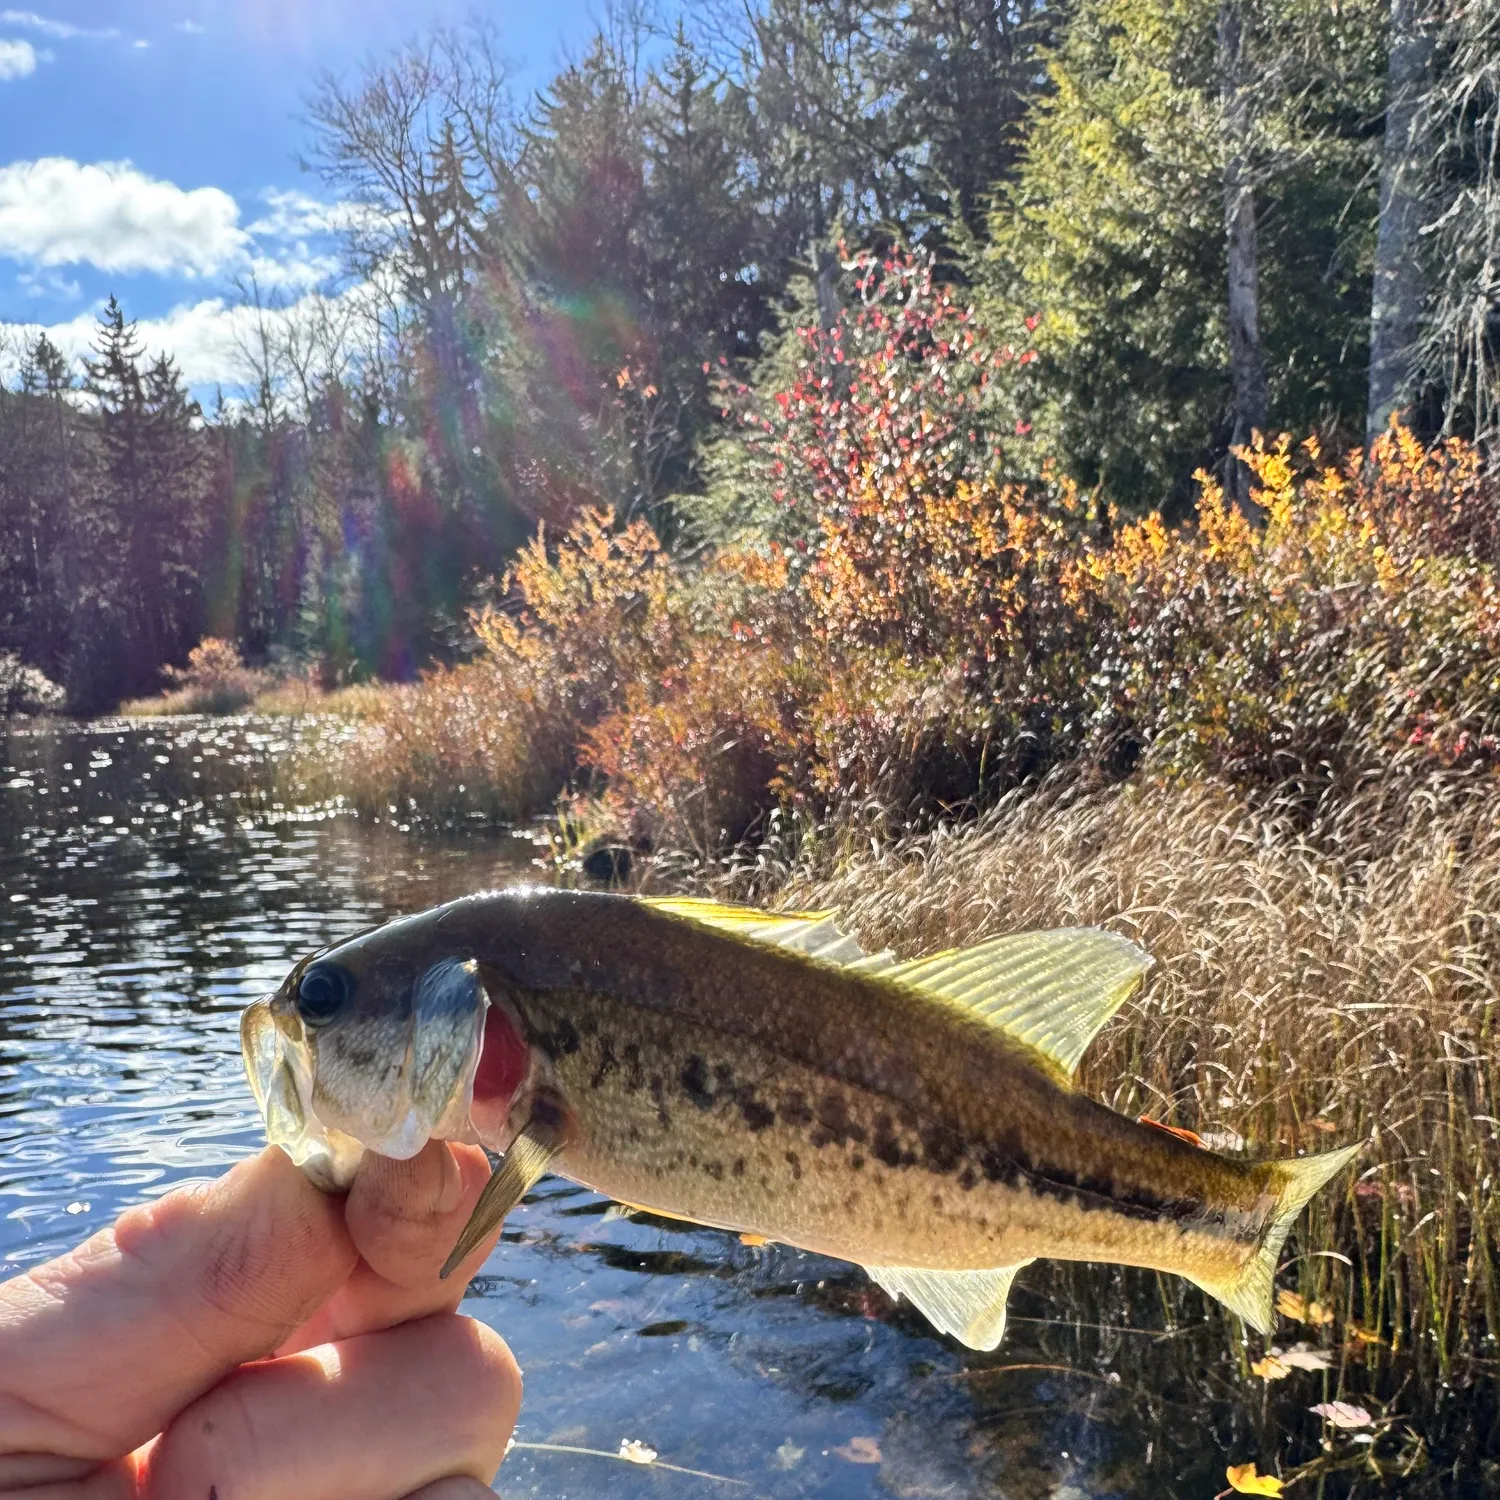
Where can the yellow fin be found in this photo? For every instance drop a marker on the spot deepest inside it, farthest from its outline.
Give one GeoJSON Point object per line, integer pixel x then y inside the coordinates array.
{"type": "Point", "coordinates": [970, 1305]}
{"type": "Point", "coordinates": [521, 1168]}
{"type": "Point", "coordinates": [1251, 1293]}
{"type": "Point", "coordinates": [1052, 990]}
{"type": "Point", "coordinates": [811, 932]}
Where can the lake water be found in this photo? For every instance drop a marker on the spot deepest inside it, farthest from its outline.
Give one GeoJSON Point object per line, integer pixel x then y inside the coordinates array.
{"type": "Point", "coordinates": [148, 891]}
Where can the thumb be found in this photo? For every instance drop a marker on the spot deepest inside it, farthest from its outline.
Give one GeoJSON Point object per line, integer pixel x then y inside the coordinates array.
{"type": "Point", "coordinates": [100, 1348]}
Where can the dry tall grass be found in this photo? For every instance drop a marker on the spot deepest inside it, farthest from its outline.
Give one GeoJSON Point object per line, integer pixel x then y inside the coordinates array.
{"type": "Point", "coordinates": [1314, 984]}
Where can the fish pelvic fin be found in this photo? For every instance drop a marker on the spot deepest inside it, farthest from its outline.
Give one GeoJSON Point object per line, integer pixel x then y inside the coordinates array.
{"type": "Point", "coordinates": [969, 1305]}
{"type": "Point", "coordinates": [1251, 1294]}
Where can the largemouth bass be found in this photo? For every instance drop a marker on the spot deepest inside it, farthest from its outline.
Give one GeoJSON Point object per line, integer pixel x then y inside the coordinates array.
{"type": "Point", "coordinates": [758, 1072]}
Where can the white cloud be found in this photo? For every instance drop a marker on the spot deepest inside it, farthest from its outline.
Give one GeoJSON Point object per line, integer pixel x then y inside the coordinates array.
{"type": "Point", "coordinates": [204, 338]}
{"type": "Point", "coordinates": [64, 31]}
{"type": "Point", "coordinates": [298, 271]}
{"type": "Point", "coordinates": [17, 60]}
{"type": "Point", "coordinates": [295, 215]}
{"type": "Point", "coordinates": [56, 211]}
{"type": "Point", "coordinates": [51, 284]}
{"type": "Point", "coordinates": [188, 27]}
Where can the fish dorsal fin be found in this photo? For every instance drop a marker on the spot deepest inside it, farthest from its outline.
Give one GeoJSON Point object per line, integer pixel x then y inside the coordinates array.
{"type": "Point", "coordinates": [1052, 990]}
{"type": "Point", "coordinates": [970, 1305]}
{"type": "Point", "coordinates": [811, 932]}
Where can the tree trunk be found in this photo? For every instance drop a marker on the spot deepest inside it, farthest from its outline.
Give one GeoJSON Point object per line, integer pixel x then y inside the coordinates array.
{"type": "Point", "coordinates": [1247, 367]}
{"type": "Point", "coordinates": [1396, 300]}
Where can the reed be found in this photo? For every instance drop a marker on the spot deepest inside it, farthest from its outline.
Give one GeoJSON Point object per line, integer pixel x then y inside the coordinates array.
{"type": "Point", "coordinates": [1318, 980]}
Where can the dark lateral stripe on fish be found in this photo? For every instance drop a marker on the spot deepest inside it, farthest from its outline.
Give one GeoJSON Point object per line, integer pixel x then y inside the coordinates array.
{"type": "Point", "coordinates": [943, 1153]}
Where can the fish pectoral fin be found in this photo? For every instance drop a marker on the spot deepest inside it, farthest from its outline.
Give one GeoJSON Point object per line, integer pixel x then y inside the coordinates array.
{"type": "Point", "coordinates": [968, 1304]}
{"type": "Point", "coordinates": [1052, 990]}
{"type": "Point", "coordinates": [814, 933]}
{"type": "Point", "coordinates": [522, 1167]}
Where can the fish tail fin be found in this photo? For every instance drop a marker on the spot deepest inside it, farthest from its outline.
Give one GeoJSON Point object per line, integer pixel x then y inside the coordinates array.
{"type": "Point", "coordinates": [1251, 1292]}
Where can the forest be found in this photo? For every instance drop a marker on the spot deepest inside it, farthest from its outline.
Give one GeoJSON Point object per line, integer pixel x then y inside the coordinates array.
{"type": "Point", "coordinates": [1139, 234]}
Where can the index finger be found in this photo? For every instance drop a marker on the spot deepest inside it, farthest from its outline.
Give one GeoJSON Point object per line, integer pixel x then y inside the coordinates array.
{"type": "Point", "coordinates": [99, 1348]}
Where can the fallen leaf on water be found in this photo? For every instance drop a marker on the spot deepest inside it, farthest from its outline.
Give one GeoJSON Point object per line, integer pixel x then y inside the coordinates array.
{"type": "Point", "coordinates": [1361, 1335]}
{"type": "Point", "coordinates": [1290, 1305]}
{"type": "Point", "coordinates": [1303, 1358]}
{"type": "Point", "coordinates": [860, 1450]}
{"type": "Point", "coordinates": [754, 1239]}
{"type": "Point", "coordinates": [1242, 1477]}
{"type": "Point", "coordinates": [1343, 1414]}
{"type": "Point", "coordinates": [789, 1455]}
{"type": "Point", "coordinates": [1271, 1368]}
{"type": "Point", "coordinates": [637, 1452]}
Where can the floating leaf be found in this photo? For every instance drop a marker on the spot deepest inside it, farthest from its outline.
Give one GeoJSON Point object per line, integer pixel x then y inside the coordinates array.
{"type": "Point", "coordinates": [1271, 1368]}
{"type": "Point", "coordinates": [1304, 1358]}
{"type": "Point", "coordinates": [860, 1450]}
{"type": "Point", "coordinates": [789, 1455]}
{"type": "Point", "coordinates": [1290, 1305]}
{"type": "Point", "coordinates": [636, 1452]}
{"type": "Point", "coordinates": [1343, 1414]}
{"type": "Point", "coordinates": [754, 1240]}
{"type": "Point", "coordinates": [1242, 1477]}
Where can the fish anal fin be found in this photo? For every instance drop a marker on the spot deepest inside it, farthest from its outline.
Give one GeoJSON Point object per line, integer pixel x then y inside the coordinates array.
{"type": "Point", "coordinates": [1052, 990]}
{"type": "Point", "coordinates": [970, 1305]}
{"type": "Point", "coordinates": [1250, 1294]}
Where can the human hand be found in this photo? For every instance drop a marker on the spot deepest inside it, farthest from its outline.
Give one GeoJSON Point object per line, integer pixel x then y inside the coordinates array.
{"type": "Point", "coordinates": [256, 1340]}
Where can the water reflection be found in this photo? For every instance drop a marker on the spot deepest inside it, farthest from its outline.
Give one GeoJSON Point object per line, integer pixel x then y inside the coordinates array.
{"type": "Point", "coordinates": [149, 889]}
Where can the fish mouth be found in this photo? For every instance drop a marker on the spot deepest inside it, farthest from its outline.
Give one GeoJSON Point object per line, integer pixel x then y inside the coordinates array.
{"type": "Point", "coordinates": [320, 1104]}
{"type": "Point", "coordinates": [281, 1080]}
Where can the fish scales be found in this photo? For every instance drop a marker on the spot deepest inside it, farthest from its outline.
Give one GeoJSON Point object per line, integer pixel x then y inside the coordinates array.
{"type": "Point", "coordinates": [874, 1124]}
{"type": "Point", "coordinates": [920, 1119]}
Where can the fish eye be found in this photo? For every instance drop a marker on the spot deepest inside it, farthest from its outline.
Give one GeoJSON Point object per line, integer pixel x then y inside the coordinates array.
{"type": "Point", "coordinates": [322, 992]}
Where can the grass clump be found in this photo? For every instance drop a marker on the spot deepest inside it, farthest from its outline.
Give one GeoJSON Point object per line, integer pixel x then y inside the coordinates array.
{"type": "Point", "coordinates": [1317, 982]}
{"type": "Point", "coordinates": [214, 681]}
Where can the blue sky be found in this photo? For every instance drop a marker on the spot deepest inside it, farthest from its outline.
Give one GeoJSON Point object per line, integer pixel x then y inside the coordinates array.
{"type": "Point", "coordinates": [150, 149]}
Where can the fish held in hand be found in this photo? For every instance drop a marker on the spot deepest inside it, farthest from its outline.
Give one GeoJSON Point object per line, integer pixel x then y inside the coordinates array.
{"type": "Point", "coordinates": [757, 1072]}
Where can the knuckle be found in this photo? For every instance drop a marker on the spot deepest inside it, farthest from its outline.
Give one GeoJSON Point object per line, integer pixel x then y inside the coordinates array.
{"type": "Point", "coordinates": [483, 1389]}
{"type": "Point", "coordinates": [211, 1447]}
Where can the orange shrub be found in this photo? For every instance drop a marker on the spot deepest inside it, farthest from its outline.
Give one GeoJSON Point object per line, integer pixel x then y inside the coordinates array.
{"type": "Point", "coordinates": [938, 646]}
{"type": "Point", "coordinates": [1356, 630]}
{"type": "Point", "coordinates": [499, 735]}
